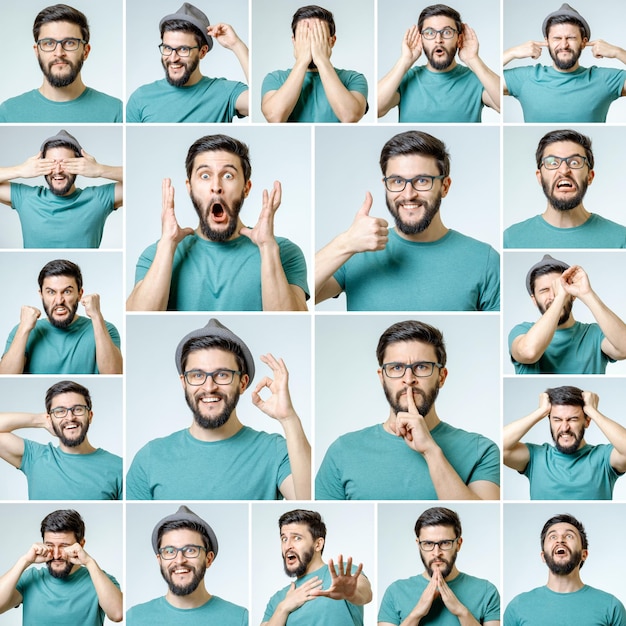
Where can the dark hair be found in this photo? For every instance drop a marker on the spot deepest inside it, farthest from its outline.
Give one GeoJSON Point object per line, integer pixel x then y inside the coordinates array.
{"type": "Point", "coordinates": [313, 11]}
{"type": "Point", "coordinates": [62, 521]}
{"type": "Point", "coordinates": [565, 518]}
{"type": "Point", "coordinates": [61, 13]}
{"type": "Point", "coordinates": [219, 343]}
{"type": "Point", "coordinates": [440, 9]}
{"type": "Point", "coordinates": [215, 143]}
{"type": "Point", "coordinates": [66, 386]}
{"type": "Point", "coordinates": [565, 19]}
{"type": "Point", "coordinates": [180, 524]}
{"type": "Point", "coordinates": [185, 27]}
{"type": "Point", "coordinates": [59, 143]}
{"type": "Point", "coordinates": [550, 268]}
{"type": "Point", "coordinates": [61, 267]}
{"type": "Point", "coordinates": [416, 142]}
{"type": "Point", "coordinates": [438, 516]}
{"type": "Point", "coordinates": [312, 519]}
{"type": "Point", "coordinates": [566, 396]}
{"type": "Point", "coordinates": [412, 330]}
{"type": "Point", "coordinates": [564, 135]}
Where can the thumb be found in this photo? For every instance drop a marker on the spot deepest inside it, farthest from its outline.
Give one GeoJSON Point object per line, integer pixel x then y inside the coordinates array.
{"type": "Point", "coordinates": [366, 206]}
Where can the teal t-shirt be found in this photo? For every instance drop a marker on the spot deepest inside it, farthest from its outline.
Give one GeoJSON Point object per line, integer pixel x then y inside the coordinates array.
{"type": "Point", "coordinates": [584, 475]}
{"type": "Point", "coordinates": [596, 232]}
{"type": "Point", "coordinates": [319, 610]}
{"type": "Point", "coordinates": [222, 276]}
{"type": "Point", "coordinates": [74, 221]}
{"type": "Point", "coordinates": [250, 465]}
{"type": "Point", "coordinates": [543, 607]}
{"type": "Point", "coordinates": [60, 602]}
{"type": "Point", "coordinates": [91, 106]}
{"type": "Point", "coordinates": [574, 350]}
{"type": "Point", "coordinates": [479, 596]}
{"type": "Point", "coordinates": [547, 95]}
{"type": "Point", "coordinates": [56, 475]}
{"type": "Point", "coordinates": [159, 612]}
{"type": "Point", "coordinates": [454, 273]}
{"type": "Point", "coordinates": [313, 105]}
{"type": "Point", "coordinates": [210, 100]}
{"type": "Point", "coordinates": [454, 96]}
{"type": "Point", "coordinates": [51, 350]}
{"type": "Point", "coordinates": [372, 464]}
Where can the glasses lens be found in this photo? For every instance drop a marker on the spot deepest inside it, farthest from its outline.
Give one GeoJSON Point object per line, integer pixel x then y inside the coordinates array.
{"type": "Point", "coordinates": [394, 370]}
{"type": "Point", "coordinates": [423, 369]}
{"type": "Point", "coordinates": [395, 184]}
{"type": "Point", "coordinates": [168, 552]}
{"type": "Point", "coordinates": [422, 183]}
{"type": "Point", "coordinates": [60, 411]}
{"type": "Point", "coordinates": [191, 551]}
{"type": "Point", "coordinates": [195, 377]}
{"type": "Point", "coordinates": [47, 45]}
{"type": "Point", "coordinates": [223, 377]}
{"type": "Point", "coordinates": [575, 162]}
{"type": "Point", "coordinates": [70, 45]}
{"type": "Point", "coordinates": [429, 33]}
{"type": "Point", "coordinates": [448, 33]}
{"type": "Point", "coordinates": [79, 409]}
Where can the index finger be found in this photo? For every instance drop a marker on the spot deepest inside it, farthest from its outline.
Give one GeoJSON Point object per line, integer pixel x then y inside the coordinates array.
{"type": "Point", "coordinates": [410, 401]}
{"type": "Point", "coordinates": [272, 362]}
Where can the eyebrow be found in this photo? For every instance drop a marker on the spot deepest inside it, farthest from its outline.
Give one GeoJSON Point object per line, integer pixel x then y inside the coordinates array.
{"type": "Point", "coordinates": [204, 166]}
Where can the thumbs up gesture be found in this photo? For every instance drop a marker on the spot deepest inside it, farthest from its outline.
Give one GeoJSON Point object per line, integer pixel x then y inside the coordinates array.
{"type": "Point", "coordinates": [367, 233]}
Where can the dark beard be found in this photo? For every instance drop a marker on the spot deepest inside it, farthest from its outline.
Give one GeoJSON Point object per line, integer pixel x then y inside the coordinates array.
{"type": "Point", "coordinates": [70, 443]}
{"type": "Point", "coordinates": [563, 569]}
{"type": "Point", "coordinates": [565, 65]}
{"type": "Point", "coordinates": [568, 449]}
{"type": "Point", "coordinates": [445, 572]}
{"type": "Point", "coordinates": [565, 204]}
{"type": "Point", "coordinates": [218, 235]}
{"type": "Point", "coordinates": [431, 209]}
{"type": "Point", "coordinates": [217, 421]}
{"type": "Point", "coordinates": [567, 309]}
{"type": "Point", "coordinates": [439, 65]}
{"type": "Point", "coordinates": [307, 557]}
{"type": "Point", "coordinates": [63, 324]}
{"type": "Point", "coordinates": [64, 80]}
{"type": "Point", "coordinates": [424, 408]}
{"type": "Point", "coordinates": [190, 68]}
{"type": "Point", "coordinates": [64, 573]}
{"type": "Point", "coordinates": [70, 178]}
{"type": "Point", "coordinates": [185, 590]}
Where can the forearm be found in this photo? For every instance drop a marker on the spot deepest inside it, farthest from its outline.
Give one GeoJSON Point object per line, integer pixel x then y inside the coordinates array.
{"type": "Point", "coordinates": [529, 348]}
{"type": "Point", "coordinates": [388, 96]}
{"type": "Point", "coordinates": [14, 421]}
{"type": "Point", "coordinates": [327, 261]}
{"type": "Point", "coordinates": [277, 294]}
{"type": "Point", "coordinates": [243, 56]}
{"type": "Point", "coordinates": [109, 596]}
{"type": "Point", "coordinates": [467, 619]}
{"type": "Point", "coordinates": [508, 56]}
{"type": "Point", "coordinates": [447, 483]}
{"type": "Point", "coordinates": [108, 355]}
{"type": "Point", "coordinates": [14, 359]}
{"type": "Point", "coordinates": [280, 616]}
{"type": "Point", "coordinates": [299, 452]}
{"type": "Point", "coordinates": [111, 172]}
{"type": "Point", "coordinates": [363, 593]}
{"type": "Point", "coordinates": [513, 432]}
{"type": "Point", "coordinates": [614, 432]}
{"type": "Point", "coordinates": [346, 106]}
{"type": "Point", "coordinates": [153, 291]}
{"type": "Point", "coordinates": [9, 596]}
{"type": "Point", "coordinates": [611, 325]}
{"type": "Point", "coordinates": [489, 80]}
{"type": "Point", "coordinates": [10, 173]}
{"type": "Point", "coordinates": [278, 106]}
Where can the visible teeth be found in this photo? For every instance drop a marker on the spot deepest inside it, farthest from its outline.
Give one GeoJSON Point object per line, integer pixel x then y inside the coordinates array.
{"type": "Point", "coordinates": [181, 570]}
{"type": "Point", "coordinates": [207, 400]}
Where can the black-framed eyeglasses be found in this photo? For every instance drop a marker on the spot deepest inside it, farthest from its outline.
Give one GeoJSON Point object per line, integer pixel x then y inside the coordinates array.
{"type": "Point", "coordinates": [421, 369]}
{"type": "Point", "coordinates": [444, 544]}
{"type": "Point", "coordinates": [69, 44]}
{"type": "Point", "coordinates": [181, 51]}
{"type": "Point", "coordinates": [189, 551]}
{"type": "Point", "coordinates": [574, 162]}
{"type": "Point", "coordinates": [220, 377]}
{"type": "Point", "coordinates": [422, 182]}
{"type": "Point", "coordinates": [447, 33]}
{"type": "Point", "coordinates": [61, 411]}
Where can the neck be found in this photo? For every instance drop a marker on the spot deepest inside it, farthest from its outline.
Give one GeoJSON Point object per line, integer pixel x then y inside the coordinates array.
{"type": "Point", "coordinates": [230, 428]}
{"type": "Point", "coordinates": [571, 69]}
{"type": "Point", "coordinates": [566, 219]}
{"type": "Point", "coordinates": [83, 448]}
{"type": "Point", "coordinates": [62, 94]}
{"type": "Point", "coordinates": [192, 600]}
{"type": "Point", "coordinates": [565, 584]}
{"type": "Point", "coordinates": [568, 323]}
{"type": "Point", "coordinates": [435, 231]}
{"type": "Point", "coordinates": [314, 565]}
{"type": "Point", "coordinates": [195, 78]}
{"type": "Point", "coordinates": [236, 234]}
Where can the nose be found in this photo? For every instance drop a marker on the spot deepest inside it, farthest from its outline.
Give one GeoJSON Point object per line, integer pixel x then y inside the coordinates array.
{"type": "Point", "coordinates": [57, 552]}
{"type": "Point", "coordinates": [59, 51]}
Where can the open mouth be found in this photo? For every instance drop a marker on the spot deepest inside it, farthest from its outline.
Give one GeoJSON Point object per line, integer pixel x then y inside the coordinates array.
{"type": "Point", "coordinates": [566, 184]}
{"type": "Point", "coordinates": [291, 558]}
{"type": "Point", "coordinates": [560, 551]}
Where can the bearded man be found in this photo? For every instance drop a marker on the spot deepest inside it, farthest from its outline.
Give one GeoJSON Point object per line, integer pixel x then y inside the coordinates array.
{"type": "Point", "coordinates": [62, 216]}
{"type": "Point", "coordinates": [442, 90]}
{"type": "Point", "coordinates": [421, 265]}
{"type": "Point", "coordinates": [222, 264]}
{"type": "Point", "coordinates": [413, 455]}
{"type": "Point", "coordinates": [230, 461]}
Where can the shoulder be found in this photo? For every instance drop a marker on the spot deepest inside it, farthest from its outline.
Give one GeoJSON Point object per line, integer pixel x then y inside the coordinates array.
{"type": "Point", "coordinates": [445, 430]}
{"type": "Point", "coordinates": [149, 89]}
{"type": "Point", "coordinates": [349, 440]}
{"type": "Point", "coordinates": [100, 97]}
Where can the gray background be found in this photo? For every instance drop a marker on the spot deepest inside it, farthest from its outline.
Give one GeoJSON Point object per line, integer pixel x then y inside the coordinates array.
{"type": "Point", "coordinates": [518, 306]}
{"type": "Point", "coordinates": [227, 576]}
{"type": "Point", "coordinates": [347, 166]}
{"type": "Point", "coordinates": [396, 16]}
{"type": "Point", "coordinates": [470, 398]}
{"type": "Point", "coordinates": [28, 395]}
{"type": "Point", "coordinates": [155, 400]}
{"type": "Point", "coordinates": [523, 568]}
{"type": "Point", "coordinates": [523, 196]}
{"type": "Point", "coordinates": [521, 397]}
{"type": "Point", "coordinates": [522, 22]}
{"type": "Point", "coordinates": [272, 48]}
{"type": "Point", "coordinates": [154, 153]}
{"type": "Point", "coordinates": [350, 534]}
{"type": "Point", "coordinates": [104, 538]}
{"type": "Point", "coordinates": [19, 143]}
{"type": "Point", "coordinates": [103, 67]}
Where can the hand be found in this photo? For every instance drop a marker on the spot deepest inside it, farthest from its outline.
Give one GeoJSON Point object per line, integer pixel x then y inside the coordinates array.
{"type": "Point", "coordinates": [302, 44]}
{"type": "Point", "coordinates": [343, 583]}
{"type": "Point", "coordinates": [297, 596]}
{"type": "Point", "coordinates": [468, 45]}
{"type": "Point", "coordinates": [85, 166]}
{"type": "Point", "coordinates": [28, 317]}
{"type": "Point", "coordinates": [38, 553]}
{"type": "Point", "coordinates": [224, 34]}
{"type": "Point", "coordinates": [367, 233]}
{"type": "Point", "coordinates": [544, 404]}
{"type": "Point", "coordinates": [36, 166]}
{"type": "Point", "coordinates": [91, 302]}
{"type": "Point", "coordinates": [321, 47]}
{"type": "Point", "coordinates": [263, 233]}
{"type": "Point", "coordinates": [424, 604]}
{"type": "Point", "coordinates": [411, 426]}
{"type": "Point", "coordinates": [530, 49]}
{"type": "Point", "coordinates": [591, 401]}
{"type": "Point", "coordinates": [603, 50]}
{"type": "Point", "coordinates": [278, 405]}
{"type": "Point", "coordinates": [575, 281]}
{"type": "Point", "coordinates": [447, 595]}
{"type": "Point", "coordinates": [412, 45]}
{"type": "Point", "coordinates": [170, 230]}
{"type": "Point", "coordinates": [76, 555]}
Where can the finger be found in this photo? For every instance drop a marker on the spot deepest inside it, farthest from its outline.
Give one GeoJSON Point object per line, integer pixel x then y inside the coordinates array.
{"type": "Point", "coordinates": [276, 365]}
{"type": "Point", "coordinates": [278, 193]}
{"type": "Point", "coordinates": [359, 569]}
{"type": "Point", "coordinates": [366, 206]}
{"type": "Point", "coordinates": [331, 569]}
{"type": "Point", "coordinates": [340, 565]}
{"type": "Point", "coordinates": [410, 401]}
{"type": "Point", "coordinates": [265, 382]}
